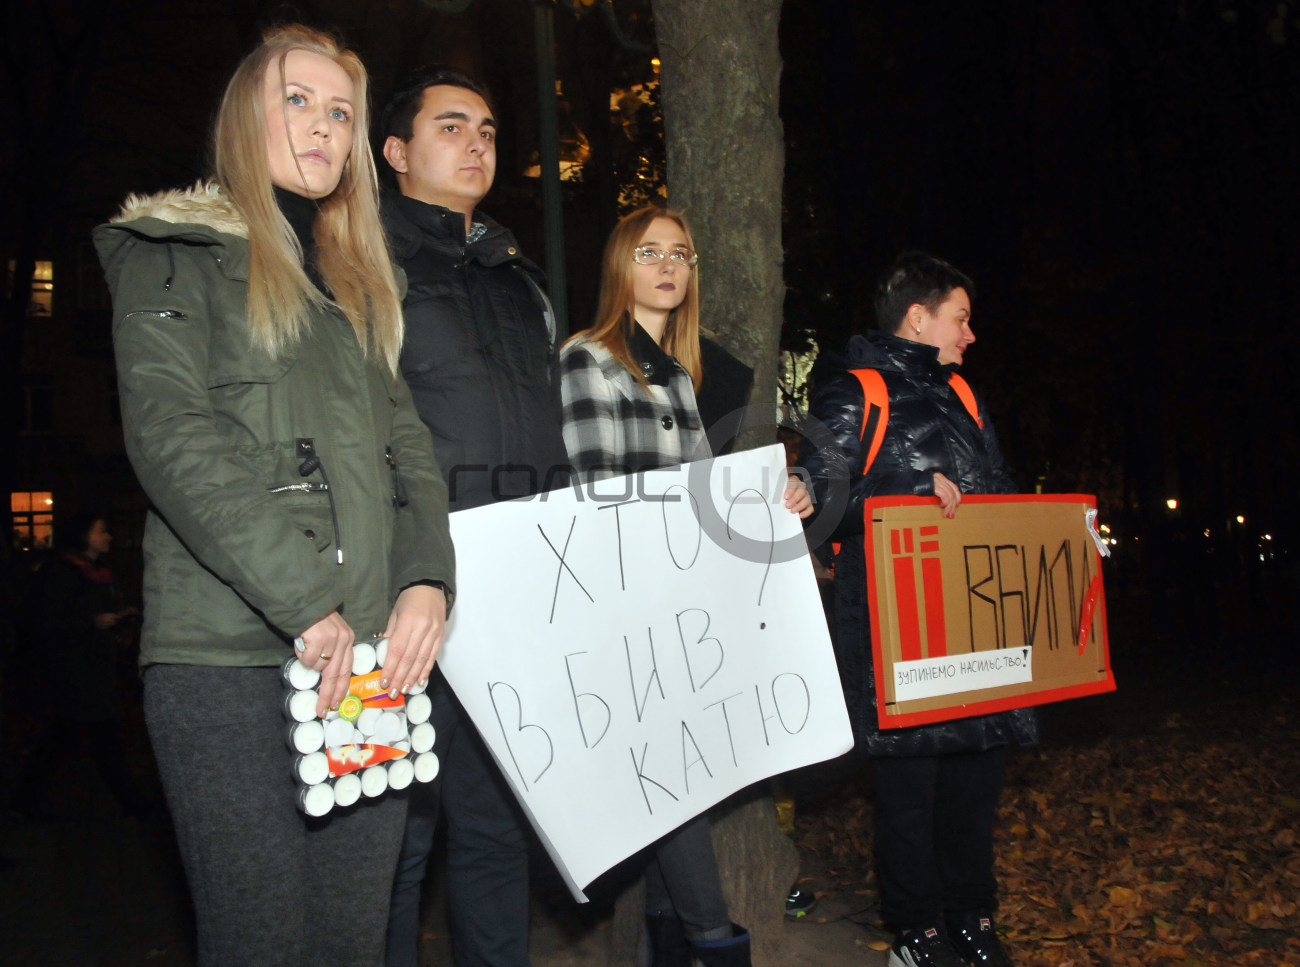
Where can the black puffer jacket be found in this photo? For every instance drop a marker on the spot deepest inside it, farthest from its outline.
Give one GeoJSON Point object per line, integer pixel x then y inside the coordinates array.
{"type": "Point", "coordinates": [929, 431]}
{"type": "Point", "coordinates": [478, 354]}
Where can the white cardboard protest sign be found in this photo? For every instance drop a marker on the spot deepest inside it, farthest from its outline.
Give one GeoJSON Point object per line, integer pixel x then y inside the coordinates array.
{"type": "Point", "coordinates": [636, 650]}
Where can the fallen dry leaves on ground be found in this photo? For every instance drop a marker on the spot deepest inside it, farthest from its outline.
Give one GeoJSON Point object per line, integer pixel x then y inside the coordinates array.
{"type": "Point", "coordinates": [1171, 843]}
{"type": "Point", "coordinates": [1155, 849]}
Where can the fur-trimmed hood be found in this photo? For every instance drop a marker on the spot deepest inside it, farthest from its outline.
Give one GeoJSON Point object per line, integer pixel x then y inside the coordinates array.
{"type": "Point", "coordinates": [200, 216]}
{"type": "Point", "coordinates": [203, 204]}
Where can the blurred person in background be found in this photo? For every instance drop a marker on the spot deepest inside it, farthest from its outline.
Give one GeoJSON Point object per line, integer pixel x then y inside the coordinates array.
{"type": "Point", "coordinates": [78, 612]}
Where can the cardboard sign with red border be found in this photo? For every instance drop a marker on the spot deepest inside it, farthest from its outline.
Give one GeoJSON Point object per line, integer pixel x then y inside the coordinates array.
{"type": "Point", "coordinates": [1000, 607]}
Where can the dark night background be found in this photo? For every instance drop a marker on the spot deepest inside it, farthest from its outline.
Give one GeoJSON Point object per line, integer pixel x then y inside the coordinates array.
{"type": "Point", "coordinates": [1119, 179]}
{"type": "Point", "coordinates": [1118, 176]}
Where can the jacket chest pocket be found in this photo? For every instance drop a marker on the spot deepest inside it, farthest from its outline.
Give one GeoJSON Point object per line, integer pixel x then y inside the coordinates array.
{"type": "Point", "coordinates": [231, 361]}
{"type": "Point", "coordinates": [257, 406]}
{"type": "Point", "coordinates": [440, 342]}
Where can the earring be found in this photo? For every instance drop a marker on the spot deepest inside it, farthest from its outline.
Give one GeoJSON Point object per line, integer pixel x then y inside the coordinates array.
{"type": "Point", "coordinates": [917, 330]}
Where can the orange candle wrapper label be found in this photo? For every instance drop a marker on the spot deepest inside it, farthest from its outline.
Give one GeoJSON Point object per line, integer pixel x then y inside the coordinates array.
{"type": "Point", "coordinates": [367, 688]}
{"type": "Point", "coordinates": [350, 758]}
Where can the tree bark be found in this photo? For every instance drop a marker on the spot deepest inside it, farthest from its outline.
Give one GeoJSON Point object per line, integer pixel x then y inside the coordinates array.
{"type": "Point", "coordinates": [720, 73]}
{"type": "Point", "coordinates": [721, 76]}
{"type": "Point", "coordinates": [758, 864]}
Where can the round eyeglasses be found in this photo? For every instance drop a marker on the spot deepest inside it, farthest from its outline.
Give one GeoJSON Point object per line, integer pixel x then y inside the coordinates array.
{"type": "Point", "coordinates": [654, 256]}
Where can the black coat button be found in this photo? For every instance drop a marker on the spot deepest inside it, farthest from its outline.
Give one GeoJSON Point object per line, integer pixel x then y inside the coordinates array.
{"type": "Point", "coordinates": [311, 535]}
{"type": "Point", "coordinates": [667, 422]}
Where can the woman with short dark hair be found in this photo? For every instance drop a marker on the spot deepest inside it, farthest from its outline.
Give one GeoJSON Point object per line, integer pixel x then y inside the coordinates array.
{"type": "Point", "coordinates": [937, 786]}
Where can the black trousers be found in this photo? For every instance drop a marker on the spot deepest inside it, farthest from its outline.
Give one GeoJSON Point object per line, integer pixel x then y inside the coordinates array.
{"type": "Point", "coordinates": [934, 835]}
{"type": "Point", "coordinates": [487, 850]}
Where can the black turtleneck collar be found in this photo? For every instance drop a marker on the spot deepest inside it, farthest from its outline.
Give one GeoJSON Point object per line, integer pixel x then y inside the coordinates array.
{"type": "Point", "coordinates": [656, 365]}
{"type": "Point", "coordinates": [300, 212]}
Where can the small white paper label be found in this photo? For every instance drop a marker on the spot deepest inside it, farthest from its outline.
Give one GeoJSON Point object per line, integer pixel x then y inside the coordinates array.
{"type": "Point", "coordinates": [949, 674]}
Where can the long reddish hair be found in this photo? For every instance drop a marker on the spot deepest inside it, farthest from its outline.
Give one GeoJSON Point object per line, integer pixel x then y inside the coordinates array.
{"type": "Point", "coordinates": [614, 311]}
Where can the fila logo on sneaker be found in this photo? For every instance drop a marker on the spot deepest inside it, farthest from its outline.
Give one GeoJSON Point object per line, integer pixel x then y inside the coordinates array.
{"type": "Point", "coordinates": [908, 957]}
{"type": "Point", "coordinates": [924, 948]}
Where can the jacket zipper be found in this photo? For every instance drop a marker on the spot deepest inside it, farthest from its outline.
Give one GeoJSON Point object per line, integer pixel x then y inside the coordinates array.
{"type": "Point", "coordinates": [158, 313]}
{"type": "Point", "coordinates": [311, 463]}
{"type": "Point", "coordinates": [400, 499]}
{"type": "Point", "coordinates": [311, 487]}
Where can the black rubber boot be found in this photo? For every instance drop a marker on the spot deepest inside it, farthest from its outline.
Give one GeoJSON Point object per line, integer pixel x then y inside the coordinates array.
{"type": "Point", "coordinates": [731, 951]}
{"type": "Point", "coordinates": [666, 944]}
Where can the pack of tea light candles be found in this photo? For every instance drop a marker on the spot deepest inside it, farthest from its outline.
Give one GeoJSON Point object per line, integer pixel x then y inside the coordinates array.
{"type": "Point", "coordinates": [371, 743]}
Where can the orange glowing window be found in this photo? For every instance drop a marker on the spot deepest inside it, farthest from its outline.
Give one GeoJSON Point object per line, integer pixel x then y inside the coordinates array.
{"type": "Point", "coordinates": [32, 513]}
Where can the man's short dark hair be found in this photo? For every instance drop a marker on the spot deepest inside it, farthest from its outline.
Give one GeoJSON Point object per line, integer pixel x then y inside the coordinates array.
{"type": "Point", "coordinates": [916, 278]}
{"type": "Point", "coordinates": [397, 119]}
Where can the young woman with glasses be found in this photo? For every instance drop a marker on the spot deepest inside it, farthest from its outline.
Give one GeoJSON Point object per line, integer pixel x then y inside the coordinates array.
{"type": "Point", "coordinates": [628, 387]}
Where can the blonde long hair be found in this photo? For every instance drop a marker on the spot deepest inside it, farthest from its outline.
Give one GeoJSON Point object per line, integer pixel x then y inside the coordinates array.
{"type": "Point", "coordinates": [350, 239]}
{"type": "Point", "coordinates": [616, 306]}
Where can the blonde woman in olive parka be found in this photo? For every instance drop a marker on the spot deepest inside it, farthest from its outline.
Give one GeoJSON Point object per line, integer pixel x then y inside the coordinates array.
{"type": "Point", "coordinates": [295, 495]}
{"type": "Point", "coordinates": [242, 548]}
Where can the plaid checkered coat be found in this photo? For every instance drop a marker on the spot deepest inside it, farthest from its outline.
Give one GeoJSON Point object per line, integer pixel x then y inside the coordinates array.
{"type": "Point", "coordinates": [613, 425]}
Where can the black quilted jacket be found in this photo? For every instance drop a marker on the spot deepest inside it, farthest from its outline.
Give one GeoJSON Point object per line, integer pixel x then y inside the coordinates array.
{"type": "Point", "coordinates": [928, 431]}
{"type": "Point", "coordinates": [478, 355]}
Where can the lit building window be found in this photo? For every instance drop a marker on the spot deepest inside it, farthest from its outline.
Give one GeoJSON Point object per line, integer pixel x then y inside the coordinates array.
{"type": "Point", "coordinates": [33, 520]}
{"type": "Point", "coordinates": [41, 304]}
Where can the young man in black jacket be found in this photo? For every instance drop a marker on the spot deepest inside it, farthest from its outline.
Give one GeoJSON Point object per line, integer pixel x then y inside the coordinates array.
{"type": "Point", "coordinates": [478, 356]}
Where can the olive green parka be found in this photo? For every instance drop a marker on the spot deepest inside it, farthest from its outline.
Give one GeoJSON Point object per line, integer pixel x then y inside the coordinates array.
{"type": "Point", "coordinates": [242, 454]}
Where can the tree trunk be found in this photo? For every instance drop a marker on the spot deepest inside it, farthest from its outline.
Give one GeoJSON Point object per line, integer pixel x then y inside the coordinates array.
{"type": "Point", "coordinates": [758, 864]}
{"type": "Point", "coordinates": [721, 77]}
{"type": "Point", "coordinates": [720, 73]}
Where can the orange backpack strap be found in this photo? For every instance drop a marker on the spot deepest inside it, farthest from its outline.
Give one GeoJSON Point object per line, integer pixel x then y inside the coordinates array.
{"type": "Point", "coordinates": [875, 412]}
{"type": "Point", "coordinates": [967, 397]}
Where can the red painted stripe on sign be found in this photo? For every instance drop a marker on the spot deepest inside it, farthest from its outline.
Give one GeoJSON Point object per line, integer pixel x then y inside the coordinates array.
{"type": "Point", "coordinates": [936, 637]}
{"type": "Point", "coordinates": [907, 541]}
{"type": "Point", "coordinates": [909, 626]}
{"type": "Point", "coordinates": [930, 531]}
{"type": "Point", "coordinates": [894, 542]}
{"type": "Point", "coordinates": [1089, 606]}
{"type": "Point", "coordinates": [929, 547]}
